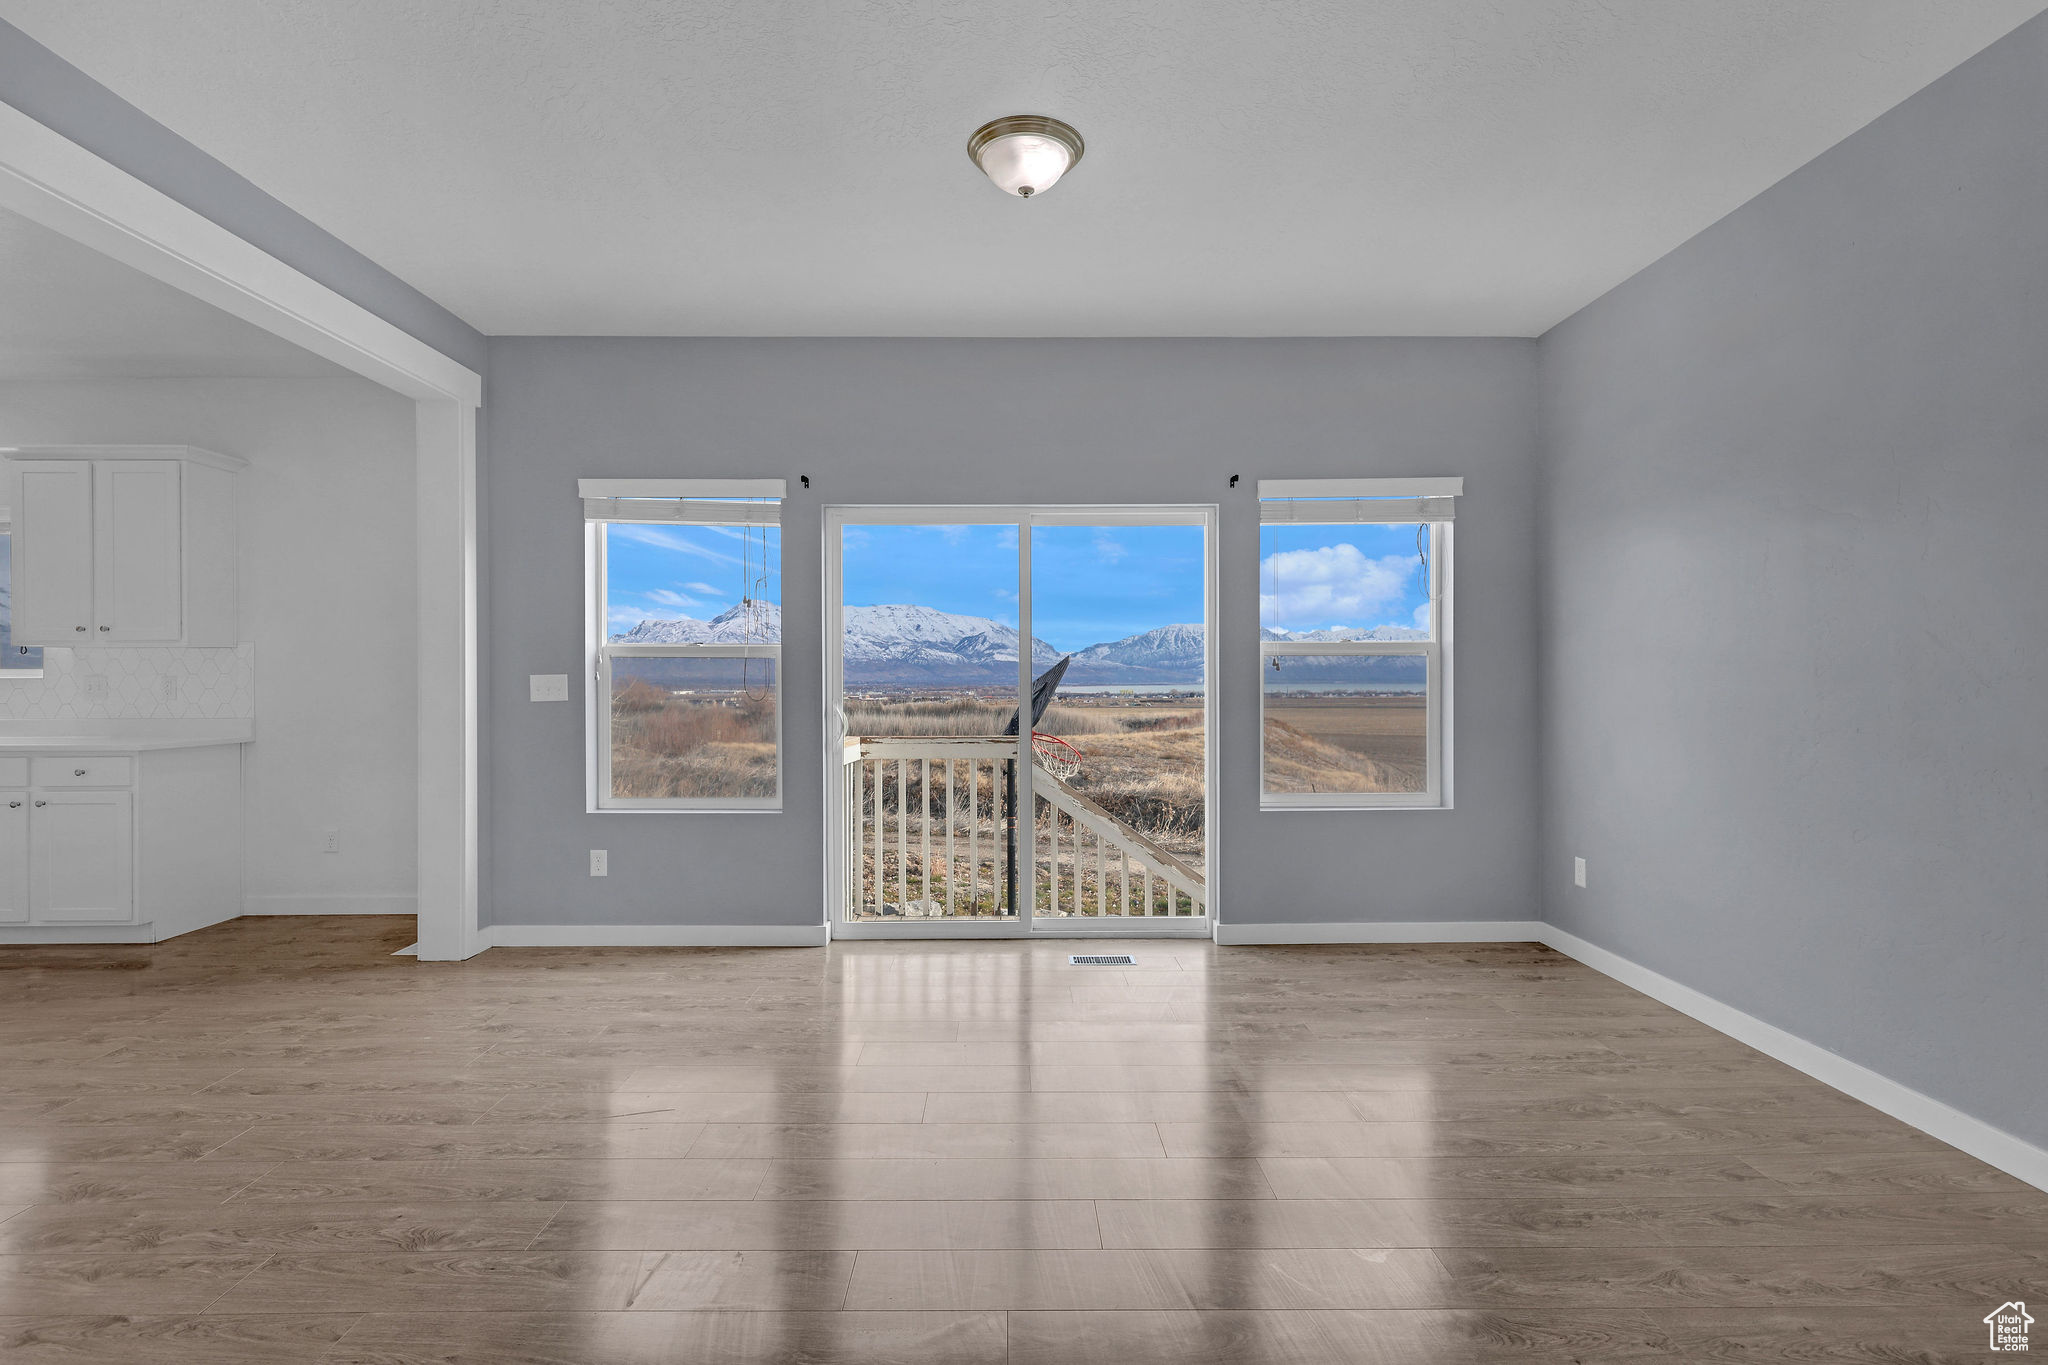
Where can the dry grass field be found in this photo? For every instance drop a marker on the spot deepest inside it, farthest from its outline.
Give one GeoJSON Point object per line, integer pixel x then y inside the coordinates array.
{"type": "Point", "coordinates": [1346, 742]}
{"type": "Point", "coordinates": [666, 744]}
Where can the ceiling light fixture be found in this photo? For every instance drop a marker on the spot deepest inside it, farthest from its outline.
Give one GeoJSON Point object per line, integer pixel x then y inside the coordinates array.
{"type": "Point", "coordinates": [1025, 154]}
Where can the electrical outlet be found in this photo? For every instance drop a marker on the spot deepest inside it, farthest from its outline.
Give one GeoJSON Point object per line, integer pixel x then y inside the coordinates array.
{"type": "Point", "coordinates": [1578, 872]}
{"type": "Point", "coordinates": [330, 841]}
{"type": "Point", "coordinates": [600, 863]}
{"type": "Point", "coordinates": [167, 686]}
{"type": "Point", "coordinates": [547, 687]}
{"type": "Point", "coordinates": [92, 686]}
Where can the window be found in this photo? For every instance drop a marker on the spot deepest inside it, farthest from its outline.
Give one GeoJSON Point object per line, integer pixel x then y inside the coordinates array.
{"type": "Point", "coordinates": [16, 661]}
{"type": "Point", "coordinates": [1354, 619]}
{"type": "Point", "coordinates": [687, 647]}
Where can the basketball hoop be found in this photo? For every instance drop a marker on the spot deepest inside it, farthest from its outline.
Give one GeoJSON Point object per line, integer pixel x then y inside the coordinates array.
{"type": "Point", "coordinates": [1055, 755]}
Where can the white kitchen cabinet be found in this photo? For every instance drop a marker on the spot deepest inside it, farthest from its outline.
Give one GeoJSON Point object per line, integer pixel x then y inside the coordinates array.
{"type": "Point", "coordinates": [81, 857]}
{"type": "Point", "coordinates": [124, 545]}
{"type": "Point", "coordinates": [52, 568]}
{"type": "Point", "coordinates": [137, 844]}
{"type": "Point", "coordinates": [137, 575]}
{"type": "Point", "coordinates": [14, 809]}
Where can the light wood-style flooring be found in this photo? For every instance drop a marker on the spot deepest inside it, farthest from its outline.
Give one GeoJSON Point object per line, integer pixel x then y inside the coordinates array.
{"type": "Point", "coordinates": [272, 1141]}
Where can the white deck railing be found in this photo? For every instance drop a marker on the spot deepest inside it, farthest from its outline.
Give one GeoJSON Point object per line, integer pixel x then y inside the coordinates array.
{"type": "Point", "coordinates": [927, 840]}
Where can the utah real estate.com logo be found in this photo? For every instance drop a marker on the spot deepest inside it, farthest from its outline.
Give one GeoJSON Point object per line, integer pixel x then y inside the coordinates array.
{"type": "Point", "coordinates": [2008, 1324]}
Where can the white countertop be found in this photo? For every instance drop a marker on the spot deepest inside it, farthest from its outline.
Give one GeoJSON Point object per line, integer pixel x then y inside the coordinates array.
{"type": "Point", "coordinates": [120, 736]}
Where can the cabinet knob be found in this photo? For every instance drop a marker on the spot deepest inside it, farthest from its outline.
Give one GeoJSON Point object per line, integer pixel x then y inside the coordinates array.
{"type": "Point", "coordinates": [106, 627]}
{"type": "Point", "coordinates": [14, 805]}
{"type": "Point", "coordinates": [78, 772]}
{"type": "Point", "coordinates": [80, 629]}
{"type": "Point", "coordinates": [39, 803]}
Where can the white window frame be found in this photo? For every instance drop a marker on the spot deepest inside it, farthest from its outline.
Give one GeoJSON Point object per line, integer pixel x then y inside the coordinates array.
{"type": "Point", "coordinates": [1370, 502]}
{"type": "Point", "coordinates": [16, 674]}
{"type": "Point", "coordinates": [664, 502]}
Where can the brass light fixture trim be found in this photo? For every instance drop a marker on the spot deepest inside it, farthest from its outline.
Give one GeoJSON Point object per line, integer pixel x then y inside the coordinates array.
{"type": "Point", "coordinates": [1028, 129]}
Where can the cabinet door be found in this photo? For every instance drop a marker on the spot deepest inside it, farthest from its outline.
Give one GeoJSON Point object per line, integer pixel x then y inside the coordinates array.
{"type": "Point", "coordinates": [81, 857]}
{"type": "Point", "coordinates": [52, 553]}
{"type": "Point", "coordinates": [138, 581]}
{"type": "Point", "coordinates": [13, 857]}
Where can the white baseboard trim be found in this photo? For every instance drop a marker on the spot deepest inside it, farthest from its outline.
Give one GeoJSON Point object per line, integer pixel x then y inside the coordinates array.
{"type": "Point", "coordinates": [1993, 1146]}
{"type": "Point", "coordinates": [21, 935]}
{"type": "Point", "coordinates": [654, 936]}
{"type": "Point", "coordinates": [315, 903]}
{"type": "Point", "coordinates": [1410, 931]}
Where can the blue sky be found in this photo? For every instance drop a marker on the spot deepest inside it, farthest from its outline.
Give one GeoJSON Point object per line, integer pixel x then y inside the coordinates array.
{"type": "Point", "coordinates": [1093, 583]}
{"type": "Point", "coordinates": [1313, 577]}
{"type": "Point", "coordinates": [658, 573]}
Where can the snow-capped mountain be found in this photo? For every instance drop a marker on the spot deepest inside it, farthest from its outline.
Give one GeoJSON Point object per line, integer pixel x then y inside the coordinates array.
{"type": "Point", "coordinates": [904, 633]}
{"type": "Point", "coordinates": [909, 645]}
{"type": "Point", "coordinates": [1170, 654]}
{"type": "Point", "coordinates": [1338, 633]}
{"type": "Point", "coordinates": [750, 622]}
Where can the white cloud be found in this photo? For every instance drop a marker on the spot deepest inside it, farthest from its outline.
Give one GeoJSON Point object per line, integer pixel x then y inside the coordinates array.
{"type": "Point", "coordinates": [662, 597]}
{"type": "Point", "coordinates": [667, 540]}
{"type": "Point", "coordinates": [623, 619]}
{"type": "Point", "coordinates": [701, 587]}
{"type": "Point", "coordinates": [1336, 585]}
{"type": "Point", "coordinates": [1108, 550]}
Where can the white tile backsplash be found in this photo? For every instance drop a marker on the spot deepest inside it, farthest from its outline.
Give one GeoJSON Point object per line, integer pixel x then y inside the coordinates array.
{"type": "Point", "coordinates": [209, 684]}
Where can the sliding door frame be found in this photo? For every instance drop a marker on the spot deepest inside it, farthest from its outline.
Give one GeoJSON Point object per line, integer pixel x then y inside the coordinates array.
{"type": "Point", "coordinates": [1026, 924]}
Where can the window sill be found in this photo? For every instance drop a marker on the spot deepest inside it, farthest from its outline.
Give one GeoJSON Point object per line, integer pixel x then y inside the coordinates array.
{"type": "Point", "coordinates": [684, 810]}
{"type": "Point", "coordinates": [1283, 806]}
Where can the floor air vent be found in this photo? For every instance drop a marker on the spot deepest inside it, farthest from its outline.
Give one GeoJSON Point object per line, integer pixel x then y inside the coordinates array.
{"type": "Point", "coordinates": [1102, 960]}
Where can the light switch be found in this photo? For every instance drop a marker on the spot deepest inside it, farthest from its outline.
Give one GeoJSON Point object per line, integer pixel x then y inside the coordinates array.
{"type": "Point", "coordinates": [92, 686]}
{"type": "Point", "coordinates": [547, 686]}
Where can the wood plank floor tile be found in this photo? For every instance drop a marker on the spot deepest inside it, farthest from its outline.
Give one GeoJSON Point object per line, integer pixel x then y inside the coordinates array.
{"type": "Point", "coordinates": [496, 1225]}
{"type": "Point", "coordinates": [1883, 1172]}
{"type": "Point", "coordinates": [1144, 1106]}
{"type": "Point", "coordinates": [182, 1182]}
{"type": "Point", "coordinates": [472, 1142]}
{"type": "Point", "coordinates": [1226, 1138]}
{"type": "Point", "coordinates": [1013, 1178]}
{"type": "Point", "coordinates": [43, 1283]}
{"type": "Point", "coordinates": [1845, 1333]}
{"type": "Point", "coordinates": [481, 1282]}
{"type": "Point", "coordinates": [934, 1280]}
{"type": "Point", "coordinates": [1509, 1178]}
{"type": "Point", "coordinates": [1411, 1337]}
{"type": "Point", "coordinates": [1657, 1277]}
{"type": "Point", "coordinates": [1312, 1279]}
{"type": "Point", "coordinates": [946, 1140]}
{"type": "Point", "coordinates": [48, 1140]}
{"type": "Point", "coordinates": [660, 1338]}
{"type": "Point", "coordinates": [668, 1106]}
{"type": "Point", "coordinates": [248, 1111]}
{"type": "Point", "coordinates": [828, 1225]}
{"type": "Point", "coordinates": [521, 1180]}
{"type": "Point", "coordinates": [209, 1339]}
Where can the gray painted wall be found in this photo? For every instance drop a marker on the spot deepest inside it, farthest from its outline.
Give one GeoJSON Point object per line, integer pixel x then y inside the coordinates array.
{"type": "Point", "coordinates": [1795, 600]}
{"type": "Point", "coordinates": [58, 95]}
{"type": "Point", "coordinates": [998, 422]}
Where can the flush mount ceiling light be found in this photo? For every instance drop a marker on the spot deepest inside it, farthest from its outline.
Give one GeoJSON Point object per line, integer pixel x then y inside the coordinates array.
{"type": "Point", "coordinates": [1025, 154]}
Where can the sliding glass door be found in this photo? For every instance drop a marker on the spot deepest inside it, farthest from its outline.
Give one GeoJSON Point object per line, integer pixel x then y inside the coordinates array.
{"type": "Point", "coordinates": [1019, 732]}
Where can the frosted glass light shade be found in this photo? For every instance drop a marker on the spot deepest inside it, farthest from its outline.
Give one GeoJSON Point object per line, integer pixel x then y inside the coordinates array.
{"type": "Point", "coordinates": [1025, 154]}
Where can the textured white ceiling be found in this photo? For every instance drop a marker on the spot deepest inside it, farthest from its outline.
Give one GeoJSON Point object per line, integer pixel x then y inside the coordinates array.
{"type": "Point", "coordinates": [67, 312]}
{"type": "Point", "coordinates": [762, 167]}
